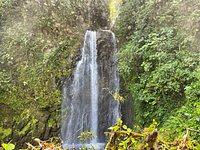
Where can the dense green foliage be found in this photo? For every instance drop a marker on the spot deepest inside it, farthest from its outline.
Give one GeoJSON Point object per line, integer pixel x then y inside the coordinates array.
{"type": "Point", "coordinates": [159, 62]}
{"type": "Point", "coordinates": [39, 46]}
{"type": "Point", "coordinates": [39, 41]}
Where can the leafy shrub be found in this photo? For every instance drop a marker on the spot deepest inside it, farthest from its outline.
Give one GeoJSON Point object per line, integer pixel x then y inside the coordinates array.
{"type": "Point", "coordinates": [157, 63]}
{"type": "Point", "coordinates": [122, 137]}
{"type": "Point", "coordinates": [8, 146]}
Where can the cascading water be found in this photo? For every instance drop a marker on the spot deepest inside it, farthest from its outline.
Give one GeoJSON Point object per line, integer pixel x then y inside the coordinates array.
{"type": "Point", "coordinates": [85, 107]}
{"type": "Point", "coordinates": [94, 85]}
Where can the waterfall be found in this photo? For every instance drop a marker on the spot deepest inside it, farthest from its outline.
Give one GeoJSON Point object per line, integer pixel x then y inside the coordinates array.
{"type": "Point", "coordinates": [94, 85]}
{"type": "Point", "coordinates": [86, 104]}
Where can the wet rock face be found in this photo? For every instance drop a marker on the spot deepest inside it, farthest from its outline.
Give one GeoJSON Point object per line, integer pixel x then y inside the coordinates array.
{"type": "Point", "coordinates": [105, 62]}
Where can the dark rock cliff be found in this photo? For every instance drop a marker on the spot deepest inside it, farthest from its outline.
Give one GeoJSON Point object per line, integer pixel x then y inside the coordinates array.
{"type": "Point", "coordinates": [106, 66]}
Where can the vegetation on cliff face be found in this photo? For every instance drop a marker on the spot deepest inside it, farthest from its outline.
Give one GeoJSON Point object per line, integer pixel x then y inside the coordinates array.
{"type": "Point", "coordinates": [35, 45]}
{"type": "Point", "coordinates": [158, 63]}
{"type": "Point", "coordinates": [39, 46]}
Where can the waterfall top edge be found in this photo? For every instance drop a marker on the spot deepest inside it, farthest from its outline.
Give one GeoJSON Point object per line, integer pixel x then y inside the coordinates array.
{"type": "Point", "coordinates": [100, 30]}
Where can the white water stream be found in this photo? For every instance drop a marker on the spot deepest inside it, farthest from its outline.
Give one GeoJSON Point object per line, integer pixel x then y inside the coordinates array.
{"type": "Point", "coordinates": [81, 108]}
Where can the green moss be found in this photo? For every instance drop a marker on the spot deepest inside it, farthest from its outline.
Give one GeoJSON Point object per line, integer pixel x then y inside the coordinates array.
{"type": "Point", "coordinates": [5, 132]}
{"type": "Point", "coordinates": [30, 126]}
